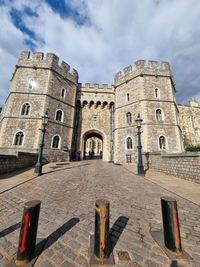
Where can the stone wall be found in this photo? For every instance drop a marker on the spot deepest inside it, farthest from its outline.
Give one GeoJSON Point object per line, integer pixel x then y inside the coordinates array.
{"type": "Point", "coordinates": [9, 163]}
{"type": "Point", "coordinates": [183, 165]}
{"type": "Point", "coordinates": [190, 122]}
{"type": "Point", "coordinates": [54, 154]}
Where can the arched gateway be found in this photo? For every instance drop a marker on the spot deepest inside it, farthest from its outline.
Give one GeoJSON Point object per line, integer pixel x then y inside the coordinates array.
{"type": "Point", "coordinates": [93, 145]}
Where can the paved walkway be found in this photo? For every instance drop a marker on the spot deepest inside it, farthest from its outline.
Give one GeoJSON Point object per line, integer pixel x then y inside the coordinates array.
{"type": "Point", "coordinates": [11, 180]}
{"type": "Point", "coordinates": [68, 194]}
{"type": "Point", "coordinates": [179, 186]}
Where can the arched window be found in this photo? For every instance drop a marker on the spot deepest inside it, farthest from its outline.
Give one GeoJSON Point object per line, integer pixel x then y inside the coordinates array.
{"type": "Point", "coordinates": [98, 104]}
{"type": "Point", "coordinates": [128, 97]}
{"type": "Point", "coordinates": [19, 137]}
{"type": "Point", "coordinates": [62, 92]}
{"type": "Point", "coordinates": [157, 93]}
{"type": "Point", "coordinates": [84, 103]}
{"type": "Point", "coordinates": [25, 109]}
{"type": "Point", "coordinates": [129, 143]}
{"type": "Point", "coordinates": [59, 115]}
{"type": "Point", "coordinates": [31, 84]}
{"type": "Point", "coordinates": [91, 104]}
{"type": "Point", "coordinates": [112, 104]}
{"type": "Point", "coordinates": [158, 114]}
{"type": "Point", "coordinates": [162, 142]}
{"type": "Point", "coordinates": [105, 104]}
{"type": "Point", "coordinates": [56, 141]}
{"type": "Point", "coordinates": [128, 117]}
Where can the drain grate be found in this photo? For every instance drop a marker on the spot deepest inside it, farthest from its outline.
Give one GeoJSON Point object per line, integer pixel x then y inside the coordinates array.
{"type": "Point", "coordinates": [123, 256]}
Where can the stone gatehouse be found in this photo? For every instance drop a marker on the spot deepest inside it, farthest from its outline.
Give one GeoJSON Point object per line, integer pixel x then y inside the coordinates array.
{"type": "Point", "coordinates": [84, 117]}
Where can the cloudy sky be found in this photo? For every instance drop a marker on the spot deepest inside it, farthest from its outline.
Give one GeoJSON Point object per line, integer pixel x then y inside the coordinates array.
{"type": "Point", "coordinates": [101, 37]}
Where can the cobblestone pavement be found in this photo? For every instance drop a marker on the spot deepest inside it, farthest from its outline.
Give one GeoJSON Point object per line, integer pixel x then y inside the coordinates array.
{"type": "Point", "coordinates": [68, 197]}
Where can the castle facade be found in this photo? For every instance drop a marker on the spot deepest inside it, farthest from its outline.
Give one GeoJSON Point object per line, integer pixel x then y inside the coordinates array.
{"type": "Point", "coordinates": [94, 118]}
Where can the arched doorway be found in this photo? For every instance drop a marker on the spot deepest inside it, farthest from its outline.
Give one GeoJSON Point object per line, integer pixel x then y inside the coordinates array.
{"type": "Point", "coordinates": [93, 145]}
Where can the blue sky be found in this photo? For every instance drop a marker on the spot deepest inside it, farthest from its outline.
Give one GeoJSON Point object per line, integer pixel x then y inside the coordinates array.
{"type": "Point", "coordinates": [100, 38]}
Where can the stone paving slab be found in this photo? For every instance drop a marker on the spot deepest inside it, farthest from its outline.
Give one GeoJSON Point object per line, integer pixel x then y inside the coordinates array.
{"type": "Point", "coordinates": [67, 216]}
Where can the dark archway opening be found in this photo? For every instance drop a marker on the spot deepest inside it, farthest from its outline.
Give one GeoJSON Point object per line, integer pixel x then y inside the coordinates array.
{"type": "Point", "coordinates": [93, 146]}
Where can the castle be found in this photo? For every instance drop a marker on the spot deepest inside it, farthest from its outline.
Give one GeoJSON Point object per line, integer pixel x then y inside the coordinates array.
{"type": "Point", "coordinates": [84, 117]}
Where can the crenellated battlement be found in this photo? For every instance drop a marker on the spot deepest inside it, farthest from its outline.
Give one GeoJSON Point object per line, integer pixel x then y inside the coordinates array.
{"type": "Point", "coordinates": [96, 86]}
{"type": "Point", "coordinates": [49, 61]}
{"type": "Point", "coordinates": [142, 67]}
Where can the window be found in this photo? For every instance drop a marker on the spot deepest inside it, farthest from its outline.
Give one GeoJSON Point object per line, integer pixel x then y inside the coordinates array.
{"type": "Point", "coordinates": [25, 109]}
{"type": "Point", "coordinates": [105, 104]}
{"type": "Point", "coordinates": [128, 158]}
{"type": "Point", "coordinates": [94, 144]}
{"type": "Point", "coordinates": [128, 97]}
{"type": "Point", "coordinates": [128, 117]}
{"type": "Point", "coordinates": [59, 115]}
{"type": "Point", "coordinates": [62, 92]}
{"type": "Point", "coordinates": [156, 92]}
{"type": "Point", "coordinates": [84, 103]}
{"type": "Point", "coordinates": [19, 139]}
{"type": "Point", "coordinates": [56, 141]}
{"type": "Point", "coordinates": [94, 117]}
{"type": "Point", "coordinates": [162, 142]}
{"type": "Point", "coordinates": [31, 84]}
{"type": "Point", "coordinates": [129, 143]}
{"type": "Point", "coordinates": [158, 114]}
{"type": "Point", "coordinates": [99, 145]}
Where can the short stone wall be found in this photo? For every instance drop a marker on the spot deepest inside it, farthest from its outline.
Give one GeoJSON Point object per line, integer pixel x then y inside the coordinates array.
{"type": "Point", "coordinates": [9, 163]}
{"type": "Point", "coordinates": [55, 155]}
{"type": "Point", "coordinates": [183, 165]}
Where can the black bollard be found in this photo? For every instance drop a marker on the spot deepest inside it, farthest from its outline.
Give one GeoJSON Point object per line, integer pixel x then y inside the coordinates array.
{"type": "Point", "coordinates": [102, 236]}
{"type": "Point", "coordinates": [172, 238]}
{"type": "Point", "coordinates": [28, 233]}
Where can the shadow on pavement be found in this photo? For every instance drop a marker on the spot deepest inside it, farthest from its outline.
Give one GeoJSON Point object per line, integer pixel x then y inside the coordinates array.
{"type": "Point", "coordinates": [77, 166]}
{"type": "Point", "coordinates": [53, 237]}
{"type": "Point", "coordinates": [14, 173]}
{"type": "Point", "coordinates": [117, 229]}
{"type": "Point", "coordinates": [10, 229]}
{"type": "Point", "coordinates": [174, 264]}
{"type": "Point", "coordinates": [92, 158]}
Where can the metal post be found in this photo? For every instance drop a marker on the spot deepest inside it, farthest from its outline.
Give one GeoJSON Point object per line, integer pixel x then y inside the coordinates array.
{"type": "Point", "coordinates": [172, 238]}
{"type": "Point", "coordinates": [38, 166]}
{"type": "Point", "coordinates": [140, 163]}
{"type": "Point", "coordinates": [102, 237]}
{"type": "Point", "coordinates": [28, 233]}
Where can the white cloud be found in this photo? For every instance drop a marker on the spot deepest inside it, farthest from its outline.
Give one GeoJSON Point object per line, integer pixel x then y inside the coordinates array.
{"type": "Point", "coordinates": [119, 33]}
{"type": "Point", "coordinates": [11, 42]}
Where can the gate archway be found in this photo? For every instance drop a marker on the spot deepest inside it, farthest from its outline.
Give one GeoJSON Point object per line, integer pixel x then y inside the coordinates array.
{"type": "Point", "coordinates": [93, 143]}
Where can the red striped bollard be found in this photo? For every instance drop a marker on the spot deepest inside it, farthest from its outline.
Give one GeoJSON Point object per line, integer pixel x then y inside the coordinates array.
{"type": "Point", "coordinates": [28, 233]}
{"type": "Point", "coordinates": [102, 228]}
{"type": "Point", "coordinates": [171, 230]}
{"type": "Point", "coordinates": [100, 245]}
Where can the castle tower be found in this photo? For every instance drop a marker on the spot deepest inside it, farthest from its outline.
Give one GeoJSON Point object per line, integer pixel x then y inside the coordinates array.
{"type": "Point", "coordinates": [148, 89]}
{"type": "Point", "coordinates": [95, 120]}
{"type": "Point", "coordinates": [39, 84]}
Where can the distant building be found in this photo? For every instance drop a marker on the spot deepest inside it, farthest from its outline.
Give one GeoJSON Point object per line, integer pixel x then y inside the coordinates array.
{"type": "Point", "coordinates": [190, 123]}
{"type": "Point", "coordinates": [80, 114]}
